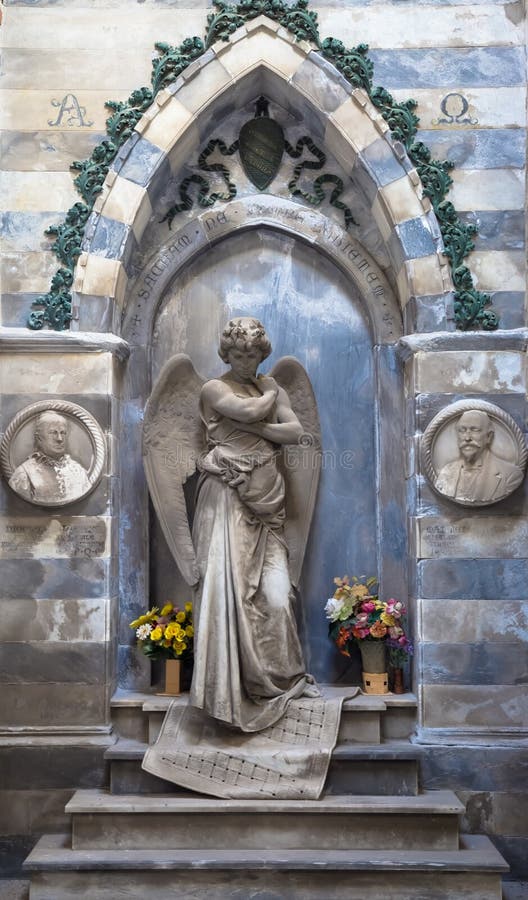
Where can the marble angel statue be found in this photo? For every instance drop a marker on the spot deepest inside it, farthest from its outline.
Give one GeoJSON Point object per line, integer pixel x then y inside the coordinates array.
{"type": "Point", "coordinates": [252, 515]}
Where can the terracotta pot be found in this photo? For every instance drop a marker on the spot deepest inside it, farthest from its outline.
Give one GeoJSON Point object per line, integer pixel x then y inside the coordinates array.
{"type": "Point", "coordinates": [397, 687]}
{"type": "Point", "coordinates": [173, 677]}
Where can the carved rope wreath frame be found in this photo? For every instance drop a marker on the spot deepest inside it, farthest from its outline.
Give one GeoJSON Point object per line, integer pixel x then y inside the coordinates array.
{"type": "Point", "coordinates": [70, 410]}
{"type": "Point", "coordinates": [471, 307]}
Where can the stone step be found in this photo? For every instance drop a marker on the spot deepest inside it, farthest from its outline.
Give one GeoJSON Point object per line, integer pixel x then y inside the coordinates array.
{"type": "Point", "coordinates": [365, 718]}
{"type": "Point", "coordinates": [104, 821]}
{"type": "Point", "coordinates": [385, 769]}
{"type": "Point", "coordinates": [472, 872]}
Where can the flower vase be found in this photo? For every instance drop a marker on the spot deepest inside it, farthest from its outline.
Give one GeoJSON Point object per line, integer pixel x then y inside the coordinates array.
{"type": "Point", "coordinates": [172, 677]}
{"type": "Point", "coordinates": [373, 662]}
{"type": "Point", "coordinates": [397, 686]}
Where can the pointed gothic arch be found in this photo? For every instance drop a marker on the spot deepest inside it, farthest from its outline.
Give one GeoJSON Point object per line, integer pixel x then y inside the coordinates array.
{"type": "Point", "coordinates": [260, 57]}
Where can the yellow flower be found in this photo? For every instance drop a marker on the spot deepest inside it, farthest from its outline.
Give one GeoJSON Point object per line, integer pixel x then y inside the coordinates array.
{"type": "Point", "coordinates": [166, 643]}
{"type": "Point", "coordinates": [188, 607]}
{"type": "Point", "coordinates": [155, 634]}
{"type": "Point", "coordinates": [189, 631]}
{"type": "Point", "coordinates": [358, 591]}
{"type": "Point", "coordinates": [146, 617]}
{"type": "Point", "coordinates": [167, 609]}
{"type": "Point", "coordinates": [387, 620]}
{"type": "Point", "coordinates": [179, 647]}
{"type": "Point", "coordinates": [180, 617]}
{"type": "Point", "coordinates": [171, 630]}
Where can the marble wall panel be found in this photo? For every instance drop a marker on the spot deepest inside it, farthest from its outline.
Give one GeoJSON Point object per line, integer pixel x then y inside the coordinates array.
{"type": "Point", "coordinates": [383, 26]}
{"type": "Point", "coordinates": [469, 769]}
{"type": "Point", "coordinates": [52, 69]}
{"type": "Point", "coordinates": [478, 707]}
{"type": "Point", "coordinates": [478, 189]}
{"type": "Point", "coordinates": [56, 578]}
{"type": "Point", "coordinates": [31, 192]}
{"type": "Point", "coordinates": [478, 148]}
{"type": "Point", "coordinates": [485, 663]}
{"type": "Point", "coordinates": [21, 232]}
{"type": "Point", "coordinates": [448, 67]}
{"type": "Point", "coordinates": [54, 620]}
{"type": "Point", "coordinates": [70, 28]}
{"type": "Point", "coordinates": [468, 371]}
{"type": "Point", "coordinates": [499, 270]}
{"type": "Point", "coordinates": [53, 704]}
{"type": "Point", "coordinates": [81, 373]}
{"type": "Point", "coordinates": [464, 621]}
{"type": "Point", "coordinates": [483, 578]}
{"type": "Point", "coordinates": [45, 151]}
{"type": "Point", "coordinates": [45, 662]}
{"type": "Point", "coordinates": [27, 272]}
{"type": "Point", "coordinates": [51, 765]}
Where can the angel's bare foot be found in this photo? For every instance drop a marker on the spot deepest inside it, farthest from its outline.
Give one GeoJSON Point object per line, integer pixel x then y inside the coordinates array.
{"type": "Point", "coordinates": [311, 690]}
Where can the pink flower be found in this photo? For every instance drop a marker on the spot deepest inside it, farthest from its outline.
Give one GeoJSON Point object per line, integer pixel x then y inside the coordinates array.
{"type": "Point", "coordinates": [395, 631]}
{"type": "Point", "coordinates": [360, 632]}
{"type": "Point", "coordinates": [395, 608]}
{"type": "Point", "coordinates": [361, 619]}
{"type": "Point", "coordinates": [368, 606]}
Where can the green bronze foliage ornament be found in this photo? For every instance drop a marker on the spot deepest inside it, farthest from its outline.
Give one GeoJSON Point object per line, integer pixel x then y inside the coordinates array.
{"type": "Point", "coordinates": [471, 306]}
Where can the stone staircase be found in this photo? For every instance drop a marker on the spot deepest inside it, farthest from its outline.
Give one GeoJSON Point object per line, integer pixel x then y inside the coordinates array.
{"type": "Point", "coordinates": [373, 834]}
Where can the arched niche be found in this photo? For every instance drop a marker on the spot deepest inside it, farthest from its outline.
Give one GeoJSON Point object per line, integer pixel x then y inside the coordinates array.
{"type": "Point", "coordinates": [111, 295]}
{"type": "Point", "coordinates": [323, 300]}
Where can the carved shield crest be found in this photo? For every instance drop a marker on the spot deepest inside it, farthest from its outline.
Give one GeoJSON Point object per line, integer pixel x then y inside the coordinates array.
{"type": "Point", "coordinates": [261, 145]}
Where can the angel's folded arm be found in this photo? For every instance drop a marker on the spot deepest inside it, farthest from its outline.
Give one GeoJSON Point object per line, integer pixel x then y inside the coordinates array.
{"type": "Point", "coordinates": [287, 429]}
{"type": "Point", "coordinates": [241, 409]}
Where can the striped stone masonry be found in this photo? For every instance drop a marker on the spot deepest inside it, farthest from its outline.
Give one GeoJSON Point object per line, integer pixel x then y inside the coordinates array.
{"type": "Point", "coordinates": [64, 610]}
{"type": "Point", "coordinates": [471, 563]}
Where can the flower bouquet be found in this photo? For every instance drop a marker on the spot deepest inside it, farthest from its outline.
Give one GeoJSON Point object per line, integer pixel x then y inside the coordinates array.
{"type": "Point", "coordinates": [358, 616]}
{"type": "Point", "coordinates": [167, 634]}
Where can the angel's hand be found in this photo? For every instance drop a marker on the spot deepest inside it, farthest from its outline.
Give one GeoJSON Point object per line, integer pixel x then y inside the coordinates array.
{"type": "Point", "coordinates": [267, 384]}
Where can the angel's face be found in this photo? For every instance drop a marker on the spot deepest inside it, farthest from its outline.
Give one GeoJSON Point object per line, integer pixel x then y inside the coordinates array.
{"type": "Point", "coordinates": [245, 363]}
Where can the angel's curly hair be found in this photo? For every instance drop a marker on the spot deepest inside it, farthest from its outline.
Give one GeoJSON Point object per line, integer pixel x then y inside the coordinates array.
{"type": "Point", "coordinates": [243, 334]}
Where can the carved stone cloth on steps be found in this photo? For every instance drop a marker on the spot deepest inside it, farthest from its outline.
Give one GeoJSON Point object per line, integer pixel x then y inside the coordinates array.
{"type": "Point", "coordinates": [289, 760]}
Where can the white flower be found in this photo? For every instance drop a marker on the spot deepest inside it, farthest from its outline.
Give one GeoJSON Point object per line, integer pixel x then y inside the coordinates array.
{"type": "Point", "coordinates": [333, 609]}
{"type": "Point", "coordinates": [143, 631]}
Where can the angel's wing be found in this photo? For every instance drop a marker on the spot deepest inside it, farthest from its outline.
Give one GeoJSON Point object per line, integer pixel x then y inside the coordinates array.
{"type": "Point", "coordinates": [302, 461]}
{"type": "Point", "coordinates": [173, 439]}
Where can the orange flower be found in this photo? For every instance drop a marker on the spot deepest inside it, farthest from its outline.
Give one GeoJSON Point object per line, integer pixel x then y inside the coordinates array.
{"type": "Point", "coordinates": [378, 630]}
